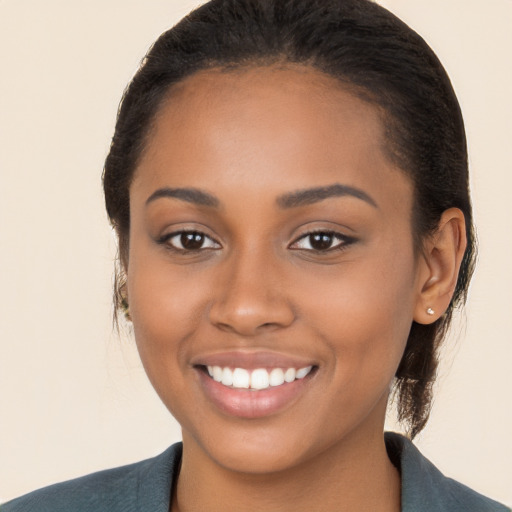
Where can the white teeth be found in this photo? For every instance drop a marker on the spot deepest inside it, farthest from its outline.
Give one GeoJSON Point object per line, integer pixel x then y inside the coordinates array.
{"type": "Point", "coordinates": [241, 378]}
{"type": "Point", "coordinates": [256, 379]}
{"type": "Point", "coordinates": [227, 377]}
{"type": "Point", "coordinates": [217, 373]}
{"type": "Point", "coordinates": [259, 379]}
{"type": "Point", "coordinates": [276, 377]}
{"type": "Point", "coordinates": [303, 372]}
{"type": "Point", "coordinates": [289, 375]}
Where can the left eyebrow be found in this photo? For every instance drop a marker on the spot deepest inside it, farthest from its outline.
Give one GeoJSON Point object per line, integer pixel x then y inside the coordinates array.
{"type": "Point", "coordinates": [190, 195]}
{"type": "Point", "coordinates": [314, 195]}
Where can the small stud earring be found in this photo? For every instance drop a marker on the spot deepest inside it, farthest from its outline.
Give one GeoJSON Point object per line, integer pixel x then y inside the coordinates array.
{"type": "Point", "coordinates": [430, 311]}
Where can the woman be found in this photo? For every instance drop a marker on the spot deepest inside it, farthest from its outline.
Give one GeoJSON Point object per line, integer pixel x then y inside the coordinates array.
{"type": "Point", "coordinates": [288, 182]}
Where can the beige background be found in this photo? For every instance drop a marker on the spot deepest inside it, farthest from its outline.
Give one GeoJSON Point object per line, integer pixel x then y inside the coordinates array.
{"type": "Point", "coordinates": [73, 397]}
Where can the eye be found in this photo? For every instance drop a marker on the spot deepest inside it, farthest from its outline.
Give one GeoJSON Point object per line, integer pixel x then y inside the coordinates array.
{"type": "Point", "coordinates": [322, 241]}
{"type": "Point", "coordinates": [188, 241]}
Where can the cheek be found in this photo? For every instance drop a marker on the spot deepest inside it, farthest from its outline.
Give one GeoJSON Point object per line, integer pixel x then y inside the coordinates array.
{"type": "Point", "coordinates": [166, 306]}
{"type": "Point", "coordinates": [162, 296]}
{"type": "Point", "coordinates": [165, 310]}
{"type": "Point", "coordinates": [364, 313]}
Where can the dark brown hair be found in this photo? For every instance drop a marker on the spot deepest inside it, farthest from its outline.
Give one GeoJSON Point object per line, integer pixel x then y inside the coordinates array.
{"type": "Point", "coordinates": [366, 48]}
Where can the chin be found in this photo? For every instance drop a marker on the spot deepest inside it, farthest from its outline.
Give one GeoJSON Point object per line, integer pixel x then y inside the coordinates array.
{"type": "Point", "coordinates": [261, 456]}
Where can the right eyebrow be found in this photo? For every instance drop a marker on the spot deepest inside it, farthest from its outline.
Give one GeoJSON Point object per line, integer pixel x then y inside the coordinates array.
{"type": "Point", "coordinates": [190, 195]}
{"type": "Point", "coordinates": [317, 194]}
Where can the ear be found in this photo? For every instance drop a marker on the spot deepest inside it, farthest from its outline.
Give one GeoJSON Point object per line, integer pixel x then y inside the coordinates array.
{"type": "Point", "coordinates": [442, 256]}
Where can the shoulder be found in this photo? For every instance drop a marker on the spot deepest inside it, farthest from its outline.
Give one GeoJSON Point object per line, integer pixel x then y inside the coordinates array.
{"type": "Point", "coordinates": [144, 485]}
{"type": "Point", "coordinates": [425, 488]}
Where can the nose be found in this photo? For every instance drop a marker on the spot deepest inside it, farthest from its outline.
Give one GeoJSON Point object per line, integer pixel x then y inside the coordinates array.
{"type": "Point", "coordinates": [251, 296]}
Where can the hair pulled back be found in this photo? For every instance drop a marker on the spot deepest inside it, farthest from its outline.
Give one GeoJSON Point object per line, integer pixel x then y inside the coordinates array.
{"type": "Point", "coordinates": [374, 54]}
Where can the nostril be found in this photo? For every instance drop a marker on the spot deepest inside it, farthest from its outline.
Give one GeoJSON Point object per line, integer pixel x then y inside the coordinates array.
{"type": "Point", "coordinates": [269, 325]}
{"type": "Point", "coordinates": [225, 327]}
{"type": "Point", "coordinates": [249, 313]}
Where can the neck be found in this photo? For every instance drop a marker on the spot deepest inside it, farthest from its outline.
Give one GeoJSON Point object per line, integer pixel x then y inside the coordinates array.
{"type": "Point", "coordinates": [354, 475]}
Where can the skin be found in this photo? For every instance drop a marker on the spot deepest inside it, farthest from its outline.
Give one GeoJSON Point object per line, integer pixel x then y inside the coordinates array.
{"type": "Point", "coordinates": [247, 138]}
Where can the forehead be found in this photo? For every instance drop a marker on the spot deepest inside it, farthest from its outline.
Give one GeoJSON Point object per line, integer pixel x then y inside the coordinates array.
{"type": "Point", "coordinates": [283, 127]}
{"type": "Point", "coordinates": [277, 97]}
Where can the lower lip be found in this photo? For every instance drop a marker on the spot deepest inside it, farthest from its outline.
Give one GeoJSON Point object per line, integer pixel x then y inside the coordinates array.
{"type": "Point", "coordinates": [246, 403]}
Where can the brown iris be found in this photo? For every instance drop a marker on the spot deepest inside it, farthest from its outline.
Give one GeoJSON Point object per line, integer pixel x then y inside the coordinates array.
{"type": "Point", "coordinates": [321, 241]}
{"type": "Point", "coordinates": [192, 241]}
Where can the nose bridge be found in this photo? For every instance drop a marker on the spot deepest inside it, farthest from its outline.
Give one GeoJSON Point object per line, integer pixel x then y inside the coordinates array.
{"type": "Point", "coordinates": [250, 295]}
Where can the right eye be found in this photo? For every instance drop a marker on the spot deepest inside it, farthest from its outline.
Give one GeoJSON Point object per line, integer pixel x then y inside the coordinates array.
{"type": "Point", "coordinates": [189, 241]}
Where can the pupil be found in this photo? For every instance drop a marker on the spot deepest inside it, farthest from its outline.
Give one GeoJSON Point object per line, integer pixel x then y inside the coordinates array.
{"type": "Point", "coordinates": [321, 241]}
{"type": "Point", "coordinates": [192, 240]}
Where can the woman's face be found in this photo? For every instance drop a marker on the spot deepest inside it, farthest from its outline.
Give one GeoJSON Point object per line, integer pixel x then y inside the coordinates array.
{"type": "Point", "coordinates": [270, 238]}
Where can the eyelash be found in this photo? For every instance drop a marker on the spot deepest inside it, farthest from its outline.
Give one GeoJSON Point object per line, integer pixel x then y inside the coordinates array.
{"type": "Point", "coordinates": [344, 241]}
{"type": "Point", "coordinates": [166, 240]}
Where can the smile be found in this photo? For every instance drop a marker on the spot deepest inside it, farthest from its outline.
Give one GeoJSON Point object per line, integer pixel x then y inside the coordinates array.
{"type": "Point", "coordinates": [257, 379]}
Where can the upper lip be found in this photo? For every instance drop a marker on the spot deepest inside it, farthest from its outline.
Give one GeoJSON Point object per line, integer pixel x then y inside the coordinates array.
{"type": "Point", "coordinates": [251, 360]}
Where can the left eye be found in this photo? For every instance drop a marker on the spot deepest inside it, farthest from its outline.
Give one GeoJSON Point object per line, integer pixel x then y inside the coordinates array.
{"type": "Point", "coordinates": [189, 241]}
{"type": "Point", "coordinates": [321, 241]}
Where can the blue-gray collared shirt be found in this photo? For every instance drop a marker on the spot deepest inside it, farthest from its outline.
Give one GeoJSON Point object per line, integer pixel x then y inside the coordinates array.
{"type": "Point", "coordinates": [146, 487]}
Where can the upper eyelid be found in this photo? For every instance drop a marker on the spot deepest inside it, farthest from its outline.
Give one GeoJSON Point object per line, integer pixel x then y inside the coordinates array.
{"type": "Point", "coordinates": [181, 231]}
{"type": "Point", "coordinates": [341, 236]}
{"type": "Point", "coordinates": [342, 243]}
{"type": "Point", "coordinates": [177, 231]}
{"type": "Point", "coordinates": [333, 232]}
{"type": "Point", "coordinates": [325, 226]}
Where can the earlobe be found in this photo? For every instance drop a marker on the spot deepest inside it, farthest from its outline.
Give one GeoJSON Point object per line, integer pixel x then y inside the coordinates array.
{"type": "Point", "coordinates": [442, 257]}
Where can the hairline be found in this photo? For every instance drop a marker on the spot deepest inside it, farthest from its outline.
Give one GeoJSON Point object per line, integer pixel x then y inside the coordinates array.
{"type": "Point", "coordinates": [281, 62]}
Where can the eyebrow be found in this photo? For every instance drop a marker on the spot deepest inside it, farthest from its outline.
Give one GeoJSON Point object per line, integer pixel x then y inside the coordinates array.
{"type": "Point", "coordinates": [290, 200]}
{"type": "Point", "coordinates": [317, 194]}
{"type": "Point", "coordinates": [190, 195]}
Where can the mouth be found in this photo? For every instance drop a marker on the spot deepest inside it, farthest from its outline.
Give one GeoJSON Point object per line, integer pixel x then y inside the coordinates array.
{"type": "Point", "coordinates": [252, 386]}
{"type": "Point", "coordinates": [256, 379]}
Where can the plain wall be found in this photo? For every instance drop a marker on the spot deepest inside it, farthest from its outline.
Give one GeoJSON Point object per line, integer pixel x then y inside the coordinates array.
{"type": "Point", "coordinates": [73, 396]}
